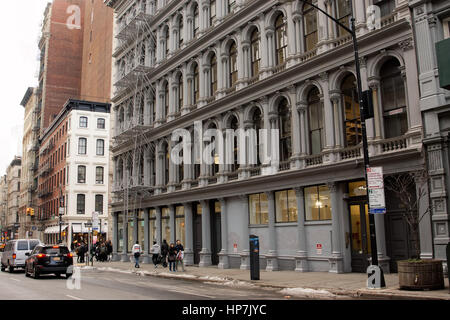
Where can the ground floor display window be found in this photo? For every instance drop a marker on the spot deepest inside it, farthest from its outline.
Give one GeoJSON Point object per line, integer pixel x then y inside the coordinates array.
{"type": "Point", "coordinates": [180, 230]}
{"type": "Point", "coordinates": [152, 226]}
{"type": "Point", "coordinates": [259, 208]}
{"type": "Point", "coordinates": [120, 232]}
{"type": "Point", "coordinates": [317, 203]}
{"type": "Point", "coordinates": [286, 206]}
{"type": "Point", "coordinates": [130, 231]}
{"type": "Point", "coordinates": [165, 224]}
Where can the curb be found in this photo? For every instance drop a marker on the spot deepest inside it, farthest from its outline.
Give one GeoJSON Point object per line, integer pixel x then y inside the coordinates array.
{"type": "Point", "coordinates": [385, 294]}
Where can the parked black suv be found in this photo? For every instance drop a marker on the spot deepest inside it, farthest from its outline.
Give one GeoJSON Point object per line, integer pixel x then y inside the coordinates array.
{"type": "Point", "coordinates": [49, 259]}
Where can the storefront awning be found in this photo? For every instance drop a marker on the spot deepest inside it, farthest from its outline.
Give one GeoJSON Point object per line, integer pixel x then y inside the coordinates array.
{"type": "Point", "coordinates": [77, 228]}
{"type": "Point", "coordinates": [54, 229]}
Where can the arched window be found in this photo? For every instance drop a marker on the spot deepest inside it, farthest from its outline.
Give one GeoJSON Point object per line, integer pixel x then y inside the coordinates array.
{"type": "Point", "coordinates": [280, 39]}
{"type": "Point", "coordinates": [180, 92]}
{"type": "Point", "coordinates": [352, 122]}
{"type": "Point", "coordinates": [212, 12]}
{"type": "Point", "coordinates": [231, 5]}
{"type": "Point", "coordinates": [310, 26]}
{"type": "Point", "coordinates": [386, 6]}
{"type": "Point", "coordinates": [166, 100]}
{"type": "Point", "coordinates": [255, 54]}
{"type": "Point", "coordinates": [315, 121]}
{"type": "Point", "coordinates": [284, 122]}
{"type": "Point", "coordinates": [213, 71]}
{"type": "Point", "coordinates": [195, 22]}
{"type": "Point", "coordinates": [233, 64]}
{"type": "Point", "coordinates": [258, 124]}
{"type": "Point", "coordinates": [343, 13]}
{"type": "Point", "coordinates": [143, 54]}
{"type": "Point", "coordinates": [166, 42]}
{"type": "Point", "coordinates": [393, 99]}
{"type": "Point", "coordinates": [196, 92]}
{"type": "Point", "coordinates": [180, 31]}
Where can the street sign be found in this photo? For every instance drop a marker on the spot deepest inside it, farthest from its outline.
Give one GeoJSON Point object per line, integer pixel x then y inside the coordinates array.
{"type": "Point", "coordinates": [319, 248]}
{"type": "Point", "coordinates": [61, 211]}
{"type": "Point", "coordinates": [88, 224]}
{"type": "Point", "coordinates": [375, 188]}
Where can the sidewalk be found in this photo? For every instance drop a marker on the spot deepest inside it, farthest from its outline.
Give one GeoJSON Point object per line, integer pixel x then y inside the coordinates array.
{"type": "Point", "coordinates": [291, 283]}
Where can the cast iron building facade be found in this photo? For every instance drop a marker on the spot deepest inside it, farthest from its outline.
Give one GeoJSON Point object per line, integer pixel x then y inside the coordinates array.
{"type": "Point", "coordinates": [432, 27]}
{"type": "Point", "coordinates": [262, 65]}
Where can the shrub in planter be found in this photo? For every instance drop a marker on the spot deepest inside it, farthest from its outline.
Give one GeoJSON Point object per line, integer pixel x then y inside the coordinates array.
{"type": "Point", "coordinates": [415, 274]}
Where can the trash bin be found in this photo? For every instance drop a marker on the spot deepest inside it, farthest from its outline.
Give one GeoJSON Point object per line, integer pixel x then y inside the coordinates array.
{"type": "Point", "coordinates": [254, 257]}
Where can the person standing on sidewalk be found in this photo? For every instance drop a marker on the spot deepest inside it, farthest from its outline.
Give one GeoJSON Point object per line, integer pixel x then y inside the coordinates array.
{"type": "Point", "coordinates": [109, 249]}
{"type": "Point", "coordinates": [137, 253]}
{"type": "Point", "coordinates": [155, 251]}
{"type": "Point", "coordinates": [180, 255]}
{"type": "Point", "coordinates": [164, 252]}
{"type": "Point", "coordinates": [172, 257]}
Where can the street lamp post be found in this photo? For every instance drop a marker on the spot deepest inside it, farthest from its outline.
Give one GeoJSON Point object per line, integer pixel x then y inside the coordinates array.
{"type": "Point", "coordinates": [362, 108]}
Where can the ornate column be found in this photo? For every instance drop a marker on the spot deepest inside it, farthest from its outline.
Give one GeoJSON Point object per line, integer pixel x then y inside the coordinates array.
{"type": "Point", "coordinates": [271, 256]}
{"type": "Point", "coordinates": [115, 240]}
{"type": "Point", "coordinates": [124, 257]}
{"type": "Point", "coordinates": [245, 253]}
{"type": "Point", "coordinates": [335, 98]}
{"type": "Point", "coordinates": [336, 259]}
{"type": "Point", "coordinates": [158, 225]}
{"type": "Point", "coordinates": [223, 254]}
{"type": "Point", "coordinates": [147, 245]}
{"type": "Point", "coordinates": [205, 254]}
{"type": "Point", "coordinates": [299, 44]}
{"type": "Point", "coordinates": [172, 223]}
{"type": "Point", "coordinates": [264, 70]}
{"type": "Point", "coordinates": [291, 36]}
{"type": "Point", "coordinates": [360, 15]}
{"type": "Point", "coordinates": [189, 245]}
{"type": "Point", "coordinates": [322, 28]}
{"type": "Point", "coordinates": [329, 120]}
{"type": "Point", "coordinates": [301, 259]}
{"type": "Point", "coordinates": [302, 107]}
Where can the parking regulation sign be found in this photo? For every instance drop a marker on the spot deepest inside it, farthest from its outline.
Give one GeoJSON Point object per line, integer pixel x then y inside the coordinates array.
{"type": "Point", "coordinates": [376, 190]}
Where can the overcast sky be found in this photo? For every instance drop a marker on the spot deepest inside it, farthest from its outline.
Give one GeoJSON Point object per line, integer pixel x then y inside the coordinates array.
{"type": "Point", "coordinates": [20, 29]}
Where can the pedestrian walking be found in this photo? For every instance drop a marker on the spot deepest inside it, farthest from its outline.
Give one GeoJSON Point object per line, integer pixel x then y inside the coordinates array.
{"type": "Point", "coordinates": [172, 257]}
{"type": "Point", "coordinates": [180, 255]}
{"type": "Point", "coordinates": [137, 254]}
{"type": "Point", "coordinates": [164, 251]}
{"type": "Point", "coordinates": [155, 251]}
{"type": "Point", "coordinates": [109, 249]}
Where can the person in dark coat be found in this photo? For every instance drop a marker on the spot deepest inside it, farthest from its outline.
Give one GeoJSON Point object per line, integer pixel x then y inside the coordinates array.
{"type": "Point", "coordinates": [180, 255]}
{"type": "Point", "coordinates": [172, 257]}
{"type": "Point", "coordinates": [109, 249]}
{"type": "Point", "coordinates": [164, 251]}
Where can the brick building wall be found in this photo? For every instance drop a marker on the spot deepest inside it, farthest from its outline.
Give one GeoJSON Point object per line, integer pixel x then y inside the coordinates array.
{"type": "Point", "coordinates": [63, 58]}
{"type": "Point", "coordinates": [97, 48]}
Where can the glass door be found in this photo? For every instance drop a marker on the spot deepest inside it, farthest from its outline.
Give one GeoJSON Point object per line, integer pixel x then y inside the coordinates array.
{"type": "Point", "coordinates": [360, 236]}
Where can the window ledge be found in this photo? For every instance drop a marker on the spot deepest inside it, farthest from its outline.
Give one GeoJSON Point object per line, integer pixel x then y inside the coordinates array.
{"type": "Point", "coordinates": [286, 224]}
{"type": "Point", "coordinates": [319, 222]}
{"type": "Point", "coordinates": [258, 225]}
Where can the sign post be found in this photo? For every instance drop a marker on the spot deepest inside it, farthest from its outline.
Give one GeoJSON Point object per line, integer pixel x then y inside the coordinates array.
{"type": "Point", "coordinates": [375, 188]}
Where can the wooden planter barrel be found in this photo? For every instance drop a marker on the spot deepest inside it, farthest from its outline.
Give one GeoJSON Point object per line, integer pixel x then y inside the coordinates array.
{"type": "Point", "coordinates": [420, 275]}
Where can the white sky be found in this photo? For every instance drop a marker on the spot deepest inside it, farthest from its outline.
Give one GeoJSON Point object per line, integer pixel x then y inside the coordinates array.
{"type": "Point", "coordinates": [20, 29]}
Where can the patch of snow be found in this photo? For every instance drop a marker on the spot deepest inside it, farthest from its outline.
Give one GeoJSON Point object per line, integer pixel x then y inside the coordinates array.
{"type": "Point", "coordinates": [305, 292]}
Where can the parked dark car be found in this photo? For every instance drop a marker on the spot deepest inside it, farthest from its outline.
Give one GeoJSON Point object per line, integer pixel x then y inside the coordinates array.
{"type": "Point", "coordinates": [47, 260]}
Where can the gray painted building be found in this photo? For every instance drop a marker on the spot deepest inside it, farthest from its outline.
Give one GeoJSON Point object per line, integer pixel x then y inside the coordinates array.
{"type": "Point", "coordinates": [431, 26]}
{"type": "Point", "coordinates": [273, 65]}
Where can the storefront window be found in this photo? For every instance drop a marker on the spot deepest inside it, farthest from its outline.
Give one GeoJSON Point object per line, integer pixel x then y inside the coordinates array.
{"type": "Point", "coordinates": [317, 203]}
{"type": "Point", "coordinates": [120, 232]}
{"type": "Point", "coordinates": [286, 206]}
{"type": "Point", "coordinates": [357, 189]}
{"type": "Point", "coordinates": [152, 226]}
{"type": "Point", "coordinates": [180, 231]}
{"type": "Point", "coordinates": [258, 207]}
{"type": "Point", "coordinates": [165, 224]}
{"type": "Point", "coordinates": [141, 231]}
{"type": "Point", "coordinates": [130, 231]}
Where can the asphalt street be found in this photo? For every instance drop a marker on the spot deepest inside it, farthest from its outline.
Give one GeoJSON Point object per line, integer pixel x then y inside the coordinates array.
{"type": "Point", "coordinates": [103, 285]}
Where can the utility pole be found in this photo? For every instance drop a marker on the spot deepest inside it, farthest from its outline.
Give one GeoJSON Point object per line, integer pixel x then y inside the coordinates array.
{"type": "Point", "coordinates": [362, 108]}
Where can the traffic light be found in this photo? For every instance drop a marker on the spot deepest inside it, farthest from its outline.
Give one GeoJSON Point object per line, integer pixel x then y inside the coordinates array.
{"type": "Point", "coordinates": [28, 211]}
{"type": "Point", "coordinates": [31, 212]}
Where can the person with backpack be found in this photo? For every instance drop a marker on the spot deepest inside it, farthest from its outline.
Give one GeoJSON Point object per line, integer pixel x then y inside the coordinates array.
{"type": "Point", "coordinates": [164, 251]}
{"type": "Point", "coordinates": [137, 253]}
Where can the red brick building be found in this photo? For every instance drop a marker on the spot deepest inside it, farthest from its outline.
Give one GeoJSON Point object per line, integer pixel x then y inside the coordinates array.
{"type": "Point", "coordinates": [52, 174]}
